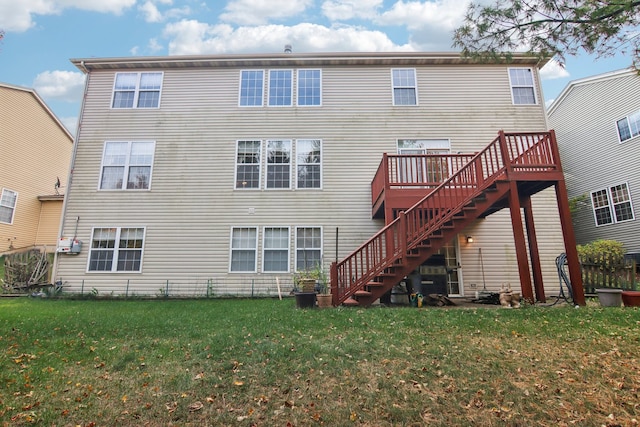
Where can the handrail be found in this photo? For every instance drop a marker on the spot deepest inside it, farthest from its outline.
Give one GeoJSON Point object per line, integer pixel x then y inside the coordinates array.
{"type": "Point", "coordinates": [506, 154]}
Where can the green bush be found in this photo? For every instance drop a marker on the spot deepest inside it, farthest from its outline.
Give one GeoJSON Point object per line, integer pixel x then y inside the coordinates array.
{"type": "Point", "coordinates": [602, 252]}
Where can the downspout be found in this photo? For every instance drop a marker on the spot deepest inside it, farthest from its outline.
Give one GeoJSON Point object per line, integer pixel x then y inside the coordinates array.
{"type": "Point", "coordinates": [71, 168]}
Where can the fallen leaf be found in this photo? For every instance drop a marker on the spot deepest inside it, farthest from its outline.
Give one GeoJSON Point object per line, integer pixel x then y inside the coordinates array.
{"type": "Point", "coordinates": [195, 406]}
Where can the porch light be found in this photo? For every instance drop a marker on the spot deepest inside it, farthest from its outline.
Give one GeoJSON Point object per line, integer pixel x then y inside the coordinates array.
{"type": "Point", "coordinates": [469, 239]}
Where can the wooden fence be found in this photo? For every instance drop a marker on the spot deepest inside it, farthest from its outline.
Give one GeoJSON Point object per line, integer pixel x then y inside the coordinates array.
{"type": "Point", "coordinates": [603, 272]}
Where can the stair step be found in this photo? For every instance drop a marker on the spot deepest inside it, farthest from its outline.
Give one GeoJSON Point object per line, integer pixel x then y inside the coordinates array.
{"type": "Point", "coordinates": [351, 302]}
{"type": "Point", "coordinates": [375, 284]}
{"type": "Point", "coordinates": [362, 293]}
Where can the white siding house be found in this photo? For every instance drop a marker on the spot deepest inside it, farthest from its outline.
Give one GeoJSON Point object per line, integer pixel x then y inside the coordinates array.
{"type": "Point", "coordinates": [597, 121]}
{"type": "Point", "coordinates": [227, 174]}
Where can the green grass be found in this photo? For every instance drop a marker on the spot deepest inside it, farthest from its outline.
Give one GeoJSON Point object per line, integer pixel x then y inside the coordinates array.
{"type": "Point", "coordinates": [266, 363]}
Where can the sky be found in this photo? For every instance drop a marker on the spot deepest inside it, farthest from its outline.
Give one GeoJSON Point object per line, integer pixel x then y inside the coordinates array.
{"type": "Point", "coordinates": [41, 36]}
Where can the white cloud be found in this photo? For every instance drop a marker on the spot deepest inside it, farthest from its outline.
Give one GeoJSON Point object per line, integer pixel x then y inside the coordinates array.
{"type": "Point", "coordinates": [60, 85]}
{"type": "Point", "coordinates": [154, 46]}
{"type": "Point", "coordinates": [342, 10]}
{"type": "Point", "coordinates": [190, 37]}
{"type": "Point", "coordinates": [152, 13]}
{"type": "Point", "coordinates": [259, 12]}
{"type": "Point", "coordinates": [18, 15]}
{"type": "Point", "coordinates": [553, 70]}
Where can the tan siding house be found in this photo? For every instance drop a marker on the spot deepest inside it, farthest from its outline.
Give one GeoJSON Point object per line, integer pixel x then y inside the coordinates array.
{"type": "Point", "coordinates": [35, 151]}
{"type": "Point", "coordinates": [226, 174]}
{"type": "Point", "coordinates": [597, 120]}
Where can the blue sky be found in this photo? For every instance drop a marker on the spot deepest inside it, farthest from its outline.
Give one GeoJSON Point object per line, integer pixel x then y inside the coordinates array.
{"type": "Point", "coordinates": [42, 35]}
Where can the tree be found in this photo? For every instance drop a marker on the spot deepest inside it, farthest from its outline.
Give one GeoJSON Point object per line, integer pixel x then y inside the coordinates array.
{"type": "Point", "coordinates": [550, 28]}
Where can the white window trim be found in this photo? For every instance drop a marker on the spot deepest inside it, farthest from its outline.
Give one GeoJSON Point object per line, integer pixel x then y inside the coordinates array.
{"type": "Point", "coordinates": [137, 90]}
{"type": "Point", "coordinates": [264, 250]}
{"type": "Point", "coordinates": [612, 205]}
{"type": "Point", "coordinates": [290, 89]}
{"type": "Point", "coordinates": [264, 74]}
{"type": "Point", "coordinates": [125, 173]}
{"type": "Point", "coordinates": [295, 244]}
{"type": "Point", "coordinates": [114, 261]}
{"type": "Point", "coordinates": [266, 163]}
{"type": "Point", "coordinates": [13, 208]}
{"type": "Point", "coordinates": [297, 88]}
{"type": "Point", "coordinates": [415, 88]}
{"type": "Point", "coordinates": [295, 172]}
{"type": "Point", "coordinates": [533, 86]}
{"type": "Point", "coordinates": [626, 119]}
{"type": "Point", "coordinates": [260, 170]}
{"type": "Point", "coordinates": [255, 266]}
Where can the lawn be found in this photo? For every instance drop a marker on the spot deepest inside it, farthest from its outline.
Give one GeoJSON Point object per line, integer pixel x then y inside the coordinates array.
{"type": "Point", "coordinates": [265, 363]}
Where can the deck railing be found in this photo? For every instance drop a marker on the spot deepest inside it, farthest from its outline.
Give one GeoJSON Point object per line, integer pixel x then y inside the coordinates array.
{"type": "Point", "coordinates": [507, 153]}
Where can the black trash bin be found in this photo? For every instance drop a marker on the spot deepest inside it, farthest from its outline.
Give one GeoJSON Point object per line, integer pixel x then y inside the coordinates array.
{"type": "Point", "coordinates": [305, 299]}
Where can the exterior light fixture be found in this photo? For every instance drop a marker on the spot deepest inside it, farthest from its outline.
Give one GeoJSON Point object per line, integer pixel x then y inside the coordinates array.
{"type": "Point", "coordinates": [469, 239]}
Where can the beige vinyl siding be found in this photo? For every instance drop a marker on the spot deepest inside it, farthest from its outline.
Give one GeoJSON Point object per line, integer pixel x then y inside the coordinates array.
{"type": "Point", "coordinates": [35, 152]}
{"type": "Point", "coordinates": [49, 224]}
{"type": "Point", "coordinates": [593, 157]}
{"type": "Point", "coordinates": [192, 204]}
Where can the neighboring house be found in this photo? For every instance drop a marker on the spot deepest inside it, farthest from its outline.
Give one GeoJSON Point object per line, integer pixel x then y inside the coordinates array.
{"type": "Point", "coordinates": [597, 122]}
{"type": "Point", "coordinates": [227, 174]}
{"type": "Point", "coordinates": [35, 153]}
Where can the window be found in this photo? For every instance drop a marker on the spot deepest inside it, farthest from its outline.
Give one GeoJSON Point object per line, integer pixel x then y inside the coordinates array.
{"type": "Point", "coordinates": [404, 86]}
{"type": "Point", "coordinates": [276, 249]}
{"type": "Point", "coordinates": [244, 247]}
{"type": "Point", "coordinates": [308, 248]}
{"type": "Point", "coordinates": [280, 88]}
{"type": "Point", "coordinates": [251, 87]}
{"type": "Point", "coordinates": [309, 87]}
{"type": "Point", "coordinates": [279, 164]}
{"type": "Point", "coordinates": [522, 88]}
{"type": "Point", "coordinates": [417, 169]}
{"type": "Point", "coordinates": [612, 205]}
{"type": "Point", "coordinates": [629, 126]}
{"type": "Point", "coordinates": [248, 164]}
{"type": "Point", "coordinates": [137, 90]}
{"type": "Point", "coordinates": [309, 163]}
{"type": "Point", "coordinates": [126, 255]}
{"type": "Point", "coordinates": [127, 162]}
{"type": "Point", "coordinates": [7, 205]}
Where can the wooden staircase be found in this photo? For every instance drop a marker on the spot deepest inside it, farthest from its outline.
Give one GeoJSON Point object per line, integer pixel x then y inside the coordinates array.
{"type": "Point", "coordinates": [477, 189]}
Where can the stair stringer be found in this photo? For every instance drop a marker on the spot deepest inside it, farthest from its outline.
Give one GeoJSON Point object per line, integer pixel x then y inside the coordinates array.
{"type": "Point", "coordinates": [453, 224]}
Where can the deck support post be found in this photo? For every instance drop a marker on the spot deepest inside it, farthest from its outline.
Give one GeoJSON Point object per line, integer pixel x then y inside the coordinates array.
{"type": "Point", "coordinates": [519, 240]}
{"type": "Point", "coordinates": [534, 254]}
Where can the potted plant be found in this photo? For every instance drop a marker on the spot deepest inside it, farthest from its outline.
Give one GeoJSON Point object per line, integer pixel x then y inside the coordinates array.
{"type": "Point", "coordinates": [324, 297]}
{"type": "Point", "coordinates": [305, 282]}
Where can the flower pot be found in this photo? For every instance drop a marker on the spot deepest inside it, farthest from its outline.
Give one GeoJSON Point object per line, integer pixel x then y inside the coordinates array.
{"type": "Point", "coordinates": [631, 298]}
{"type": "Point", "coordinates": [324, 300]}
{"type": "Point", "coordinates": [609, 297]}
{"type": "Point", "coordinates": [305, 299]}
{"type": "Point", "coordinates": [308, 285]}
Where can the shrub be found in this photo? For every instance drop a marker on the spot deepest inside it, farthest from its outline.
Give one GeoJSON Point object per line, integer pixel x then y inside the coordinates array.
{"type": "Point", "coordinates": [605, 253]}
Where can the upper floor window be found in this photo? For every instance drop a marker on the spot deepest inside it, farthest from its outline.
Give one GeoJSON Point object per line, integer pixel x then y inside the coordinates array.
{"type": "Point", "coordinates": [404, 86]}
{"type": "Point", "coordinates": [309, 87]}
{"type": "Point", "coordinates": [280, 88]}
{"type": "Point", "coordinates": [244, 249]}
{"type": "Point", "coordinates": [7, 205]}
{"type": "Point", "coordinates": [612, 205]}
{"type": "Point", "coordinates": [251, 88]}
{"type": "Point", "coordinates": [248, 164]}
{"type": "Point", "coordinates": [522, 87]}
{"type": "Point", "coordinates": [309, 163]}
{"type": "Point", "coordinates": [275, 249]}
{"type": "Point", "coordinates": [629, 126]}
{"type": "Point", "coordinates": [308, 248]}
{"type": "Point", "coordinates": [279, 164]}
{"type": "Point", "coordinates": [116, 249]}
{"type": "Point", "coordinates": [127, 165]}
{"type": "Point", "coordinates": [137, 90]}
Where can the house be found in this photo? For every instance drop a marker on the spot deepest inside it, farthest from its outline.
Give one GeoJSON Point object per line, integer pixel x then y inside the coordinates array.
{"type": "Point", "coordinates": [35, 153]}
{"type": "Point", "coordinates": [200, 175]}
{"type": "Point", "coordinates": [597, 121]}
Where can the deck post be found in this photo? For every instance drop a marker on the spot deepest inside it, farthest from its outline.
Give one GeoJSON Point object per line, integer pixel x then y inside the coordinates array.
{"type": "Point", "coordinates": [534, 254]}
{"type": "Point", "coordinates": [519, 240]}
{"type": "Point", "coordinates": [333, 277]}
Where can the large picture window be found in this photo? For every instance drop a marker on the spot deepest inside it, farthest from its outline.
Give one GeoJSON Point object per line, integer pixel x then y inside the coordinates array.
{"type": "Point", "coordinates": [116, 249]}
{"type": "Point", "coordinates": [127, 165]}
{"type": "Point", "coordinates": [280, 88]}
{"type": "Point", "coordinates": [248, 164]}
{"type": "Point", "coordinates": [612, 205]}
{"type": "Point", "coordinates": [404, 86]}
{"type": "Point", "coordinates": [7, 205]}
{"type": "Point", "coordinates": [279, 164]}
{"type": "Point", "coordinates": [308, 248]}
{"type": "Point", "coordinates": [629, 126]}
{"type": "Point", "coordinates": [522, 87]}
{"type": "Point", "coordinates": [137, 90]}
{"type": "Point", "coordinates": [275, 248]}
{"type": "Point", "coordinates": [244, 249]}
{"type": "Point", "coordinates": [309, 163]}
{"type": "Point", "coordinates": [309, 87]}
{"type": "Point", "coordinates": [251, 88]}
